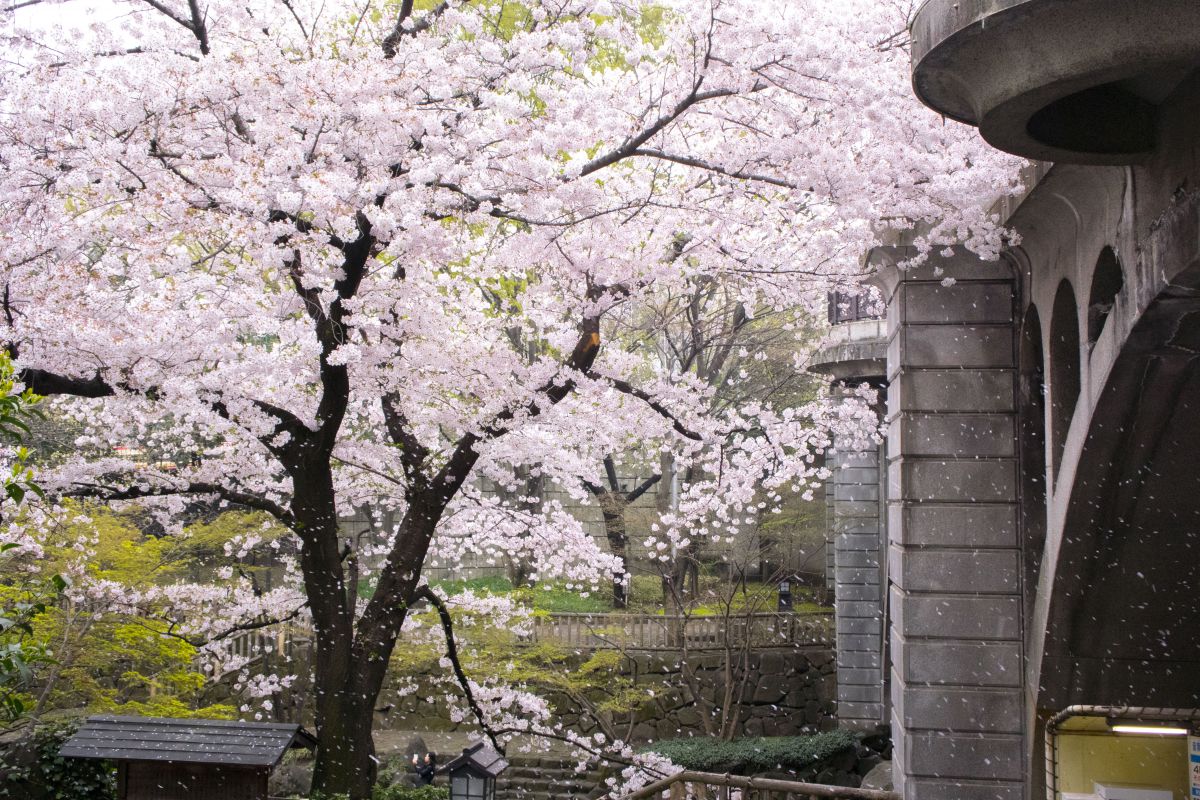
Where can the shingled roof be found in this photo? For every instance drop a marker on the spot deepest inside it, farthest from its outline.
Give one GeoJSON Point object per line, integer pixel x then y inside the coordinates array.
{"type": "Point", "coordinates": [194, 741]}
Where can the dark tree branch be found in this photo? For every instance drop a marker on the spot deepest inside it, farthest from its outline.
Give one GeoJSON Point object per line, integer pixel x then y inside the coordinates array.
{"type": "Point", "coordinates": [707, 166]}
{"type": "Point", "coordinates": [424, 592]}
{"type": "Point", "coordinates": [398, 32]}
{"type": "Point", "coordinates": [413, 454]}
{"type": "Point", "coordinates": [631, 145]}
{"type": "Point", "coordinates": [627, 388]}
{"type": "Point", "coordinates": [48, 383]}
{"type": "Point", "coordinates": [610, 471]}
{"type": "Point", "coordinates": [642, 488]}
{"type": "Point", "coordinates": [199, 26]}
{"type": "Point", "coordinates": [245, 499]}
{"type": "Point", "coordinates": [164, 10]}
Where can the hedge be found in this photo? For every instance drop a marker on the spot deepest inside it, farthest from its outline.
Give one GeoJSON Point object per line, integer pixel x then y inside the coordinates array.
{"type": "Point", "coordinates": [800, 754]}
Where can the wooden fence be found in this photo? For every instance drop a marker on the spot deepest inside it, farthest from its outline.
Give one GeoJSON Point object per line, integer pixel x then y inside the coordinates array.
{"type": "Point", "coordinates": [675, 631]}
{"type": "Point", "coordinates": [598, 631]}
{"type": "Point", "coordinates": [711, 786]}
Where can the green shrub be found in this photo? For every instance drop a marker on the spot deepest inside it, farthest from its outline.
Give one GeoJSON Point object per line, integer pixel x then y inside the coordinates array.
{"type": "Point", "coordinates": [411, 793]}
{"type": "Point", "coordinates": [35, 771]}
{"type": "Point", "coordinates": [800, 754]}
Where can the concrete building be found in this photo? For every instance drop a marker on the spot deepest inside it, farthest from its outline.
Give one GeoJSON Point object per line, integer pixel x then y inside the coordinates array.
{"type": "Point", "coordinates": [1043, 480]}
{"type": "Point", "coordinates": [855, 352]}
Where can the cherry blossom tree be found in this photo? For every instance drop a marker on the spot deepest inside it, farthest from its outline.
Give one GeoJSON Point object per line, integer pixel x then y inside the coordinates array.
{"type": "Point", "coordinates": [273, 233]}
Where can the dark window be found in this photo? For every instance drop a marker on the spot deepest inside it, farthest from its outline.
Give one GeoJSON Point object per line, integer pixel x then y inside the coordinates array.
{"type": "Point", "coordinates": [851, 307]}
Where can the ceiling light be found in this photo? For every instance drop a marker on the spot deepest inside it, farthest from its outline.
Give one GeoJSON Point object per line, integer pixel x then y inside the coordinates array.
{"type": "Point", "coordinates": [1146, 728]}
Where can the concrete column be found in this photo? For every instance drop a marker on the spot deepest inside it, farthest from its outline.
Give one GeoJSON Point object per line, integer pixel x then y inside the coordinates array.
{"type": "Point", "coordinates": [858, 589]}
{"type": "Point", "coordinates": [953, 558]}
{"type": "Point", "coordinates": [830, 490]}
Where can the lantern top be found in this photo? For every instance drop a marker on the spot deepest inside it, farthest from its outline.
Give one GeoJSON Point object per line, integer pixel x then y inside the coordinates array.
{"type": "Point", "coordinates": [478, 757]}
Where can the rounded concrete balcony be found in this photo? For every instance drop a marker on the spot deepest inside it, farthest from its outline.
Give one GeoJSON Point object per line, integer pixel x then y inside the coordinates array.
{"type": "Point", "coordinates": [1074, 81]}
{"type": "Point", "coordinates": [853, 351]}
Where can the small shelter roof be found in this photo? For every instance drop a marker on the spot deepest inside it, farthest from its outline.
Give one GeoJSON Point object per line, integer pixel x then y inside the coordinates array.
{"type": "Point", "coordinates": [194, 741]}
{"type": "Point", "coordinates": [481, 757]}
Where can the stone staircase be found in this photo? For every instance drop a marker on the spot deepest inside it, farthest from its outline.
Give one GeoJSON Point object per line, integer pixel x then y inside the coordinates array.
{"type": "Point", "coordinates": [548, 778]}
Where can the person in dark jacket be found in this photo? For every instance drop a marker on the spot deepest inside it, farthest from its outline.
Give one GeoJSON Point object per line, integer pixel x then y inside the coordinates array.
{"type": "Point", "coordinates": [425, 768]}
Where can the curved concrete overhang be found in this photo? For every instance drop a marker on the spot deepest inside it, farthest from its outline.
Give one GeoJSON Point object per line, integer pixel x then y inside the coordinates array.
{"type": "Point", "coordinates": [1121, 580]}
{"type": "Point", "coordinates": [1069, 81]}
{"type": "Point", "coordinates": [854, 351]}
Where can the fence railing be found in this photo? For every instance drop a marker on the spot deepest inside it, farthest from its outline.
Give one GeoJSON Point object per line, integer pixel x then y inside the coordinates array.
{"type": "Point", "coordinates": [597, 631]}
{"type": "Point", "coordinates": [711, 786]}
{"type": "Point", "coordinates": [674, 631]}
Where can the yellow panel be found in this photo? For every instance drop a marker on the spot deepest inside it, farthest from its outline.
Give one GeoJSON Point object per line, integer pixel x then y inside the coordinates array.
{"type": "Point", "coordinates": [1159, 761]}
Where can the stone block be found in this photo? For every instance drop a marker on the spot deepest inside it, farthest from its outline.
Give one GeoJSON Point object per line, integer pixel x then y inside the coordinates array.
{"type": "Point", "coordinates": [859, 625]}
{"type": "Point", "coordinates": [859, 659]}
{"type": "Point", "coordinates": [987, 618]}
{"type": "Point", "coordinates": [858, 577]}
{"type": "Point", "coordinates": [953, 525]}
{"type": "Point", "coordinates": [970, 664]}
{"type": "Point", "coordinates": [973, 302]}
{"type": "Point", "coordinates": [856, 559]}
{"type": "Point", "coordinates": [931, 789]}
{"type": "Point", "coordinates": [773, 663]}
{"type": "Point", "coordinates": [844, 524]}
{"type": "Point", "coordinates": [970, 390]}
{"type": "Point", "coordinates": [858, 541]}
{"type": "Point", "coordinates": [962, 265]}
{"type": "Point", "coordinates": [856, 459]}
{"type": "Point", "coordinates": [859, 591]}
{"type": "Point", "coordinates": [855, 493]}
{"type": "Point", "coordinates": [981, 757]}
{"type": "Point", "coordinates": [858, 608]}
{"type": "Point", "coordinates": [964, 571]}
{"type": "Point", "coordinates": [861, 711]}
{"type": "Point", "coordinates": [861, 693]}
{"type": "Point", "coordinates": [950, 709]}
{"type": "Point", "coordinates": [849, 642]}
{"type": "Point", "coordinates": [952, 346]}
{"type": "Point", "coordinates": [856, 508]}
{"type": "Point", "coordinates": [975, 435]}
{"type": "Point", "coordinates": [859, 677]}
{"type": "Point", "coordinates": [957, 617]}
{"type": "Point", "coordinates": [952, 480]}
{"type": "Point", "coordinates": [857, 475]}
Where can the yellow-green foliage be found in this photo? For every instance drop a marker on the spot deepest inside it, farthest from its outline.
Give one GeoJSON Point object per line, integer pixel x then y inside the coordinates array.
{"type": "Point", "coordinates": [593, 681]}
{"type": "Point", "coordinates": [120, 663]}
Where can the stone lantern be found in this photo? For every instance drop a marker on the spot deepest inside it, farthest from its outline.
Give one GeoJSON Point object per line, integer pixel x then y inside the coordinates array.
{"type": "Point", "coordinates": [473, 774]}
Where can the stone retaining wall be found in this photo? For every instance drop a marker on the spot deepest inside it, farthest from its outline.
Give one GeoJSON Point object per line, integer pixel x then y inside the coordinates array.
{"type": "Point", "coordinates": [788, 691]}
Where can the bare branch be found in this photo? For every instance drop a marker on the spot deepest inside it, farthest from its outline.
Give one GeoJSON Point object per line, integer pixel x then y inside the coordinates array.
{"type": "Point", "coordinates": [424, 592]}
{"type": "Point", "coordinates": [232, 496]}
{"type": "Point", "coordinates": [707, 166]}
{"type": "Point", "coordinates": [633, 391]}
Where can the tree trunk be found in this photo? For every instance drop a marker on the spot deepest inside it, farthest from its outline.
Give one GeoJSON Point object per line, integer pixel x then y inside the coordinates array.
{"type": "Point", "coordinates": [345, 761]}
{"type": "Point", "coordinates": [612, 507]}
{"type": "Point", "coordinates": [350, 670]}
{"type": "Point", "coordinates": [344, 706]}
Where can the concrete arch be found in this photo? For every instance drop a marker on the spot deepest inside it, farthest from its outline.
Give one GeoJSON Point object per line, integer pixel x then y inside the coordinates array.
{"type": "Point", "coordinates": [1107, 282]}
{"type": "Point", "coordinates": [1064, 369]}
{"type": "Point", "coordinates": [1121, 584]}
{"type": "Point", "coordinates": [1031, 448]}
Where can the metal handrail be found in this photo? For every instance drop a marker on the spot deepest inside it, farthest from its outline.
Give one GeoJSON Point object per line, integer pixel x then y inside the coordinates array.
{"type": "Point", "coordinates": [686, 784]}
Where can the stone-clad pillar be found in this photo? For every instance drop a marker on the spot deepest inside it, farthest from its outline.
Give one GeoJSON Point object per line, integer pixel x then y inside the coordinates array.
{"type": "Point", "coordinates": [830, 537]}
{"type": "Point", "coordinates": [858, 588]}
{"type": "Point", "coordinates": [954, 559]}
